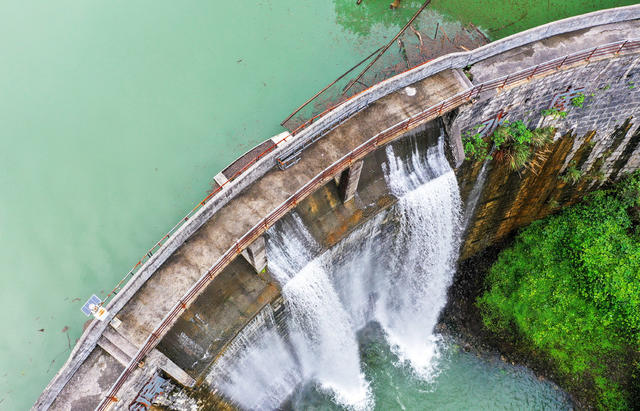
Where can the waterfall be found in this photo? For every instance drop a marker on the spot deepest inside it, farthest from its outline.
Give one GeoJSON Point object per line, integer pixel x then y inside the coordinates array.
{"type": "Point", "coordinates": [320, 329]}
{"type": "Point", "coordinates": [424, 250]}
{"type": "Point", "coordinates": [256, 370]}
{"type": "Point", "coordinates": [394, 270]}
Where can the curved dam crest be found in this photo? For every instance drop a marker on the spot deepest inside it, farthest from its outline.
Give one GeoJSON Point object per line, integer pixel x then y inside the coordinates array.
{"type": "Point", "coordinates": [375, 114]}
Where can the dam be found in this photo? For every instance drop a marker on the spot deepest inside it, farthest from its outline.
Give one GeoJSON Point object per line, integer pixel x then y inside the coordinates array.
{"type": "Point", "coordinates": [243, 278]}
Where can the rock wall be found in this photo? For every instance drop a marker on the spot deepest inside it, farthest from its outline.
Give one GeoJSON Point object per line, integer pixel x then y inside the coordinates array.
{"type": "Point", "coordinates": [600, 139]}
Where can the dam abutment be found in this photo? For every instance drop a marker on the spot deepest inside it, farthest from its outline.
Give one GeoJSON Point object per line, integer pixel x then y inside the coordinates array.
{"type": "Point", "coordinates": [594, 110]}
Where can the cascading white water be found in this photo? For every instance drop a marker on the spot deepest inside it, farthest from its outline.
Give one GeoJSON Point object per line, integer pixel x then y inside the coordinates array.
{"type": "Point", "coordinates": [321, 344]}
{"type": "Point", "coordinates": [422, 263]}
{"type": "Point", "coordinates": [397, 279]}
{"type": "Point", "coordinates": [257, 370]}
{"type": "Point", "coordinates": [320, 330]}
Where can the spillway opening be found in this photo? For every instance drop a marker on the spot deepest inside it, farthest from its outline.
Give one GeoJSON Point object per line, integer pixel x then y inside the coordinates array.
{"type": "Point", "coordinates": [390, 274]}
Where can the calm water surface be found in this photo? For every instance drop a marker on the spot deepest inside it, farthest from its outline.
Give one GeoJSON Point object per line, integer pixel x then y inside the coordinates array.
{"type": "Point", "coordinates": [115, 116]}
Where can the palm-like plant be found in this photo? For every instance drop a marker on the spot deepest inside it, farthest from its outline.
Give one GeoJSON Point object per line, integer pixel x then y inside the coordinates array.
{"type": "Point", "coordinates": [520, 147]}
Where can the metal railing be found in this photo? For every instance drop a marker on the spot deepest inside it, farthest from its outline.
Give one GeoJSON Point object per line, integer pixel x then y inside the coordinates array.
{"type": "Point", "coordinates": [341, 164]}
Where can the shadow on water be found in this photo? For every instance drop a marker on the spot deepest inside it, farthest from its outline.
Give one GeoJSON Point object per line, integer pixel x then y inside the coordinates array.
{"type": "Point", "coordinates": [360, 19]}
{"type": "Point", "coordinates": [499, 18]}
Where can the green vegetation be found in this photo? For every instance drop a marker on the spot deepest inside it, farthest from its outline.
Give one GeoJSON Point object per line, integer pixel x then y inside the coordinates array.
{"type": "Point", "coordinates": [553, 112]}
{"type": "Point", "coordinates": [467, 72]}
{"type": "Point", "coordinates": [569, 288]}
{"type": "Point", "coordinates": [578, 101]}
{"type": "Point", "coordinates": [572, 174]}
{"type": "Point", "coordinates": [512, 142]}
{"type": "Point", "coordinates": [516, 144]}
{"type": "Point", "coordinates": [475, 147]}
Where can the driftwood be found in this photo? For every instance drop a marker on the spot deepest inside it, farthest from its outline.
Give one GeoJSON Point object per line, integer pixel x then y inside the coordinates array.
{"type": "Point", "coordinates": [417, 33]}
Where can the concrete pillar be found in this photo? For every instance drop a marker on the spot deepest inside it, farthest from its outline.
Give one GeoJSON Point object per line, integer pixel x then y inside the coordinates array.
{"type": "Point", "coordinates": [256, 254]}
{"type": "Point", "coordinates": [349, 181]}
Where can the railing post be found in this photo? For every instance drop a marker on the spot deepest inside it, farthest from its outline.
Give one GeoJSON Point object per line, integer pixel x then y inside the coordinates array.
{"type": "Point", "coordinates": [562, 63]}
{"type": "Point", "coordinates": [505, 82]}
{"type": "Point", "coordinates": [440, 108]}
{"type": "Point", "coordinates": [621, 47]}
{"type": "Point", "coordinates": [591, 54]}
{"type": "Point", "coordinates": [534, 72]}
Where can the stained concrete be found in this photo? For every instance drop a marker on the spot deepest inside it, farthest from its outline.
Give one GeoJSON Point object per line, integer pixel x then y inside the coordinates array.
{"type": "Point", "coordinates": [329, 219]}
{"type": "Point", "coordinates": [90, 383]}
{"type": "Point", "coordinates": [600, 139]}
{"type": "Point", "coordinates": [231, 300]}
{"type": "Point", "coordinates": [550, 48]}
{"type": "Point", "coordinates": [256, 254]}
{"type": "Point", "coordinates": [349, 181]}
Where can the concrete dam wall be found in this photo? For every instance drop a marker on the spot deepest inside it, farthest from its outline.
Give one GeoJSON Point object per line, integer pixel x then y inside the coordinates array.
{"type": "Point", "coordinates": [193, 298]}
{"type": "Point", "coordinates": [600, 139]}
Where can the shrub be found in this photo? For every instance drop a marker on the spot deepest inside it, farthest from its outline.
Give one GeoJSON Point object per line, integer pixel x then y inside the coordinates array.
{"type": "Point", "coordinates": [570, 288]}
{"type": "Point", "coordinates": [512, 142]}
{"type": "Point", "coordinates": [475, 147]}
{"type": "Point", "coordinates": [629, 190]}
{"type": "Point", "coordinates": [572, 174]}
{"type": "Point", "coordinates": [516, 144]}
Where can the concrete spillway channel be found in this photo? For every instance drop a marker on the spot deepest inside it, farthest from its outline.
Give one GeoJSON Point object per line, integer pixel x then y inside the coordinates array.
{"type": "Point", "coordinates": [347, 195]}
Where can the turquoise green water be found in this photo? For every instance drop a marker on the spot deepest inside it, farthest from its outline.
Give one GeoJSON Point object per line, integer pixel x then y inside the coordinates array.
{"type": "Point", "coordinates": [114, 116]}
{"type": "Point", "coordinates": [461, 381]}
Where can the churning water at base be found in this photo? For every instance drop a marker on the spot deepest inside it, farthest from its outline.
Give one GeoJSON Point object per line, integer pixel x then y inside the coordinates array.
{"type": "Point", "coordinates": [394, 274]}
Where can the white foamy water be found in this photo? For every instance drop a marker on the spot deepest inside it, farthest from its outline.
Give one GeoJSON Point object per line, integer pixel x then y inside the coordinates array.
{"type": "Point", "coordinates": [422, 264]}
{"type": "Point", "coordinates": [397, 277]}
